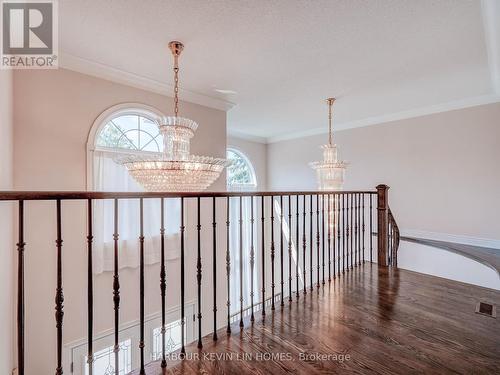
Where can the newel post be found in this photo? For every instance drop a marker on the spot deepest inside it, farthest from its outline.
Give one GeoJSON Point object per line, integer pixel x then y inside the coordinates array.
{"type": "Point", "coordinates": [382, 223]}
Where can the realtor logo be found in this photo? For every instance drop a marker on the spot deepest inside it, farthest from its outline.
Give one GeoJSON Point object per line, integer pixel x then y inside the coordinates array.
{"type": "Point", "coordinates": [29, 34]}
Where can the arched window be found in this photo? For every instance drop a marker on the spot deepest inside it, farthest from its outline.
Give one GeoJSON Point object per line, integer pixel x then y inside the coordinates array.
{"type": "Point", "coordinates": [127, 129]}
{"type": "Point", "coordinates": [240, 173]}
{"type": "Point", "coordinates": [136, 131]}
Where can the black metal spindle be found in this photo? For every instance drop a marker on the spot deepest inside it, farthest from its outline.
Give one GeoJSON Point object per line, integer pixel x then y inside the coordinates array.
{"type": "Point", "coordinates": [311, 270]}
{"type": "Point", "coordinates": [141, 285]}
{"type": "Point", "coordinates": [263, 250]}
{"type": "Point", "coordinates": [317, 240]}
{"type": "Point", "coordinates": [59, 300]}
{"type": "Point", "coordinates": [329, 237]}
{"type": "Point", "coordinates": [163, 281]}
{"type": "Point", "coordinates": [90, 290]}
{"type": "Point", "coordinates": [183, 276]}
{"type": "Point", "coordinates": [351, 209]}
{"type": "Point", "coordinates": [116, 287]}
{"type": "Point", "coordinates": [252, 257]}
{"type": "Point", "coordinates": [281, 253]}
{"type": "Point", "coordinates": [198, 268]}
{"type": "Point", "coordinates": [363, 226]}
{"type": "Point", "coordinates": [356, 224]}
{"type": "Point", "coordinates": [371, 230]}
{"type": "Point", "coordinates": [360, 229]}
{"type": "Point", "coordinates": [334, 225]}
{"type": "Point", "coordinates": [304, 242]}
{"type": "Point", "coordinates": [228, 267]}
{"type": "Point", "coordinates": [297, 245]}
{"type": "Point", "coordinates": [338, 234]}
{"type": "Point", "coordinates": [345, 233]}
{"type": "Point", "coordinates": [323, 236]}
{"type": "Point", "coordinates": [272, 253]}
{"type": "Point", "coordinates": [20, 291]}
{"type": "Point", "coordinates": [289, 248]}
{"type": "Point", "coordinates": [241, 261]}
{"type": "Point", "coordinates": [214, 264]}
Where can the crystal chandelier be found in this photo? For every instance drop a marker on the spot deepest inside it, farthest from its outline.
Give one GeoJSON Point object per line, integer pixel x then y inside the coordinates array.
{"type": "Point", "coordinates": [330, 172]}
{"type": "Point", "coordinates": [175, 169]}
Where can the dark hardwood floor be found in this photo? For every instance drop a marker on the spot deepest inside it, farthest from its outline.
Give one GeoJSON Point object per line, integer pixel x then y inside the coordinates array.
{"type": "Point", "coordinates": [380, 320]}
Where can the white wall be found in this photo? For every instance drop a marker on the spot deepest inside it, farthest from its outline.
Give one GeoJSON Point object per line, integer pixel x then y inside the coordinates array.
{"type": "Point", "coordinates": [7, 250]}
{"type": "Point", "coordinates": [53, 112]}
{"type": "Point", "coordinates": [443, 169]}
{"type": "Point", "coordinates": [257, 154]}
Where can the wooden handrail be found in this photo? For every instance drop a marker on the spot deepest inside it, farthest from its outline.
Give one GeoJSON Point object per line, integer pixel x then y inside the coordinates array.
{"type": "Point", "coordinates": [78, 195]}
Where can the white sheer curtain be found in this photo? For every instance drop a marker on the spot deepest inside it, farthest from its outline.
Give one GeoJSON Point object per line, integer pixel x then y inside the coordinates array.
{"type": "Point", "coordinates": [236, 256]}
{"type": "Point", "coordinates": [110, 176]}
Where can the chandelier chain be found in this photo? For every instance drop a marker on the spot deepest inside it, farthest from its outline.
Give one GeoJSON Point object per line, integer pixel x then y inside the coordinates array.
{"type": "Point", "coordinates": [176, 85]}
{"type": "Point", "coordinates": [330, 102]}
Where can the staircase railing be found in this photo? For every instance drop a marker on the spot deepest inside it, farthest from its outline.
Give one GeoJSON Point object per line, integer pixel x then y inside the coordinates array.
{"type": "Point", "coordinates": [326, 235]}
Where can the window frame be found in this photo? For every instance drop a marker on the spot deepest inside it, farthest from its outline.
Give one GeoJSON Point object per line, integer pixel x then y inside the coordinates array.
{"type": "Point", "coordinates": [242, 187]}
{"type": "Point", "coordinates": [123, 109]}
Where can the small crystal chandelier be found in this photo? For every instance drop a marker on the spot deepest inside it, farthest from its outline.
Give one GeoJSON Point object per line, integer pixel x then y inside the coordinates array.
{"type": "Point", "coordinates": [175, 169]}
{"type": "Point", "coordinates": [330, 172]}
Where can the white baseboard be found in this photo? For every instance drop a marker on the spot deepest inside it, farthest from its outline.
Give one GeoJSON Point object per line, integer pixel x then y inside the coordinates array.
{"type": "Point", "coordinates": [465, 240]}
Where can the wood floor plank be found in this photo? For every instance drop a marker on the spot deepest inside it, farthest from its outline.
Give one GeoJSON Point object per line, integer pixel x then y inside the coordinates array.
{"type": "Point", "coordinates": [387, 321]}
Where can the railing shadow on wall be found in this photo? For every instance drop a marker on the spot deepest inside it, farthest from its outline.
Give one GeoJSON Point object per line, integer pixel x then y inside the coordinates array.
{"type": "Point", "coordinates": [327, 234]}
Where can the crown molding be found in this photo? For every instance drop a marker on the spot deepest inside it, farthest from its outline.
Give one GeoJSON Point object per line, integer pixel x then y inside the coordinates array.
{"type": "Point", "coordinates": [93, 68]}
{"type": "Point", "coordinates": [376, 120]}
{"type": "Point", "coordinates": [245, 136]}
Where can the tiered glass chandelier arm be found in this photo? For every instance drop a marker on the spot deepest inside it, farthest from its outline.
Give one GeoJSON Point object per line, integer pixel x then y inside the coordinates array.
{"type": "Point", "coordinates": [175, 169]}
{"type": "Point", "coordinates": [330, 171]}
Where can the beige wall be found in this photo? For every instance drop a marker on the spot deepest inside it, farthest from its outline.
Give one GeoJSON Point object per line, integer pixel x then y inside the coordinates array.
{"type": "Point", "coordinates": [257, 154]}
{"type": "Point", "coordinates": [53, 113]}
{"type": "Point", "coordinates": [443, 169]}
{"type": "Point", "coordinates": [7, 249]}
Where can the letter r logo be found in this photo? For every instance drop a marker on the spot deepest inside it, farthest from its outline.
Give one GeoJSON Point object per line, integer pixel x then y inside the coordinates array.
{"type": "Point", "coordinates": [27, 28]}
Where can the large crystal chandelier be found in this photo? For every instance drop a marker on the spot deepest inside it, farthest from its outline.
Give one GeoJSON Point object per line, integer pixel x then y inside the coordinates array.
{"type": "Point", "coordinates": [330, 172]}
{"type": "Point", "coordinates": [175, 169]}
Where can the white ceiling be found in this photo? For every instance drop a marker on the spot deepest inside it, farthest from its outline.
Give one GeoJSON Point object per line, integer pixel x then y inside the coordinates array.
{"type": "Point", "coordinates": [382, 59]}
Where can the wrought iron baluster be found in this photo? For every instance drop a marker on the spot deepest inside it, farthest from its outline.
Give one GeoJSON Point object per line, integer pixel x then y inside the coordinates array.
{"type": "Point", "coordinates": [20, 291]}
{"type": "Point", "coordinates": [363, 226]}
{"type": "Point", "coordinates": [281, 253]}
{"type": "Point", "coordinates": [116, 287]}
{"type": "Point", "coordinates": [329, 212]}
{"type": "Point", "coordinates": [163, 281]}
{"type": "Point", "coordinates": [141, 284]}
{"type": "Point", "coordinates": [356, 231]}
{"type": "Point", "coordinates": [183, 276]}
{"type": "Point", "coordinates": [241, 261]}
{"type": "Point", "coordinates": [360, 229]}
{"type": "Point", "coordinates": [59, 290]}
{"type": "Point", "coordinates": [90, 290]}
{"type": "Point", "coordinates": [289, 248]}
{"type": "Point", "coordinates": [228, 267]}
{"type": "Point", "coordinates": [371, 229]}
{"type": "Point", "coordinates": [338, 234]}
{"type": "Point", "coordinates": [252, 257]}
{"type": "Point", "coordinates": [311, 243]}
{"type": "Point", "coordinates": [317, 240]}
{"type": "Point", "coordinates": [345, 234]}
{"type": "Point", "coordinates": [198, 268]}
{"type": "Point", "coordinates": [304, 242]}
{"type": "Point", "coordinates": [297, 245]}
{"type": "Point", "coordinates": [263, 249]}
{"type": "Point", "coordinates": [272, 253]}
{"type": "Point", "coordinates": [214, 264]}
{"type": "Point", "coordinates": [323, 236]}
{"type": "Point", "coordinates": [351, 229]}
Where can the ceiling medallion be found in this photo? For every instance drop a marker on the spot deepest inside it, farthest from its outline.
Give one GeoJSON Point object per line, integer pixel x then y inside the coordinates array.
{"type": "Point", "coordinates": [330, 172]}
{"type": "Point", "coordinates": [175, 169]}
